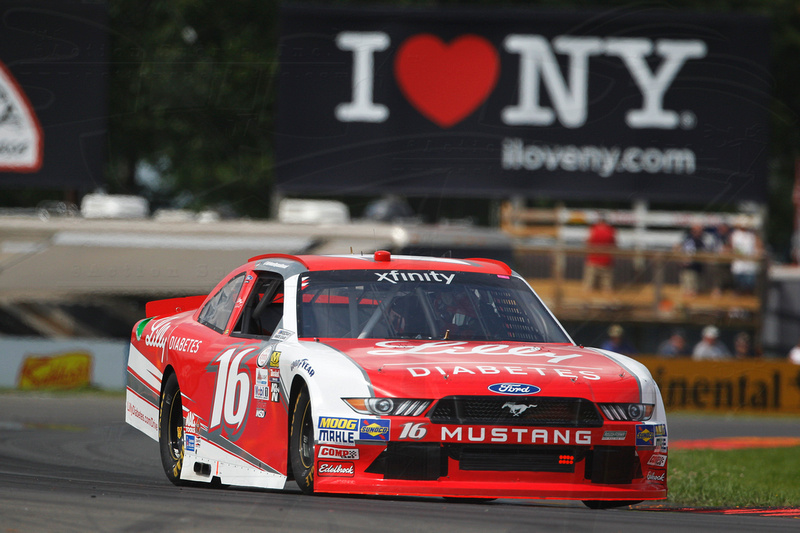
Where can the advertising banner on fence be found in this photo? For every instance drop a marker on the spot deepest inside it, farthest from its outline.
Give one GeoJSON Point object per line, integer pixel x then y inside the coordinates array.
{"type": "Point", "coordinates": [28, 363]}
{"type": "Point", "coordinates": [757, 386]}
{"type": "Point", "coordinates": [53, 87]}
{"type": "Point", "coordinates": [492, 103]}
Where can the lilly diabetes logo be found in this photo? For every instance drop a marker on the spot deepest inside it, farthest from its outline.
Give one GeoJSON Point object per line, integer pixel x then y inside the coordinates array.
{"type": "Point", "coordinates": [514, 388]}
{"type": "Point", "coordinates": [21, 138]}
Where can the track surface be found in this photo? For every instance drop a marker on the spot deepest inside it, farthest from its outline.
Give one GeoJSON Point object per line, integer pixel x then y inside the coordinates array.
{"type": "Point", "coordinates": [70, 463]}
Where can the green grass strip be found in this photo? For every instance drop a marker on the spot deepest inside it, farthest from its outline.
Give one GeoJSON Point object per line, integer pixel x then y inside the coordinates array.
{"type": "Point", "coordinates": [763, 477]}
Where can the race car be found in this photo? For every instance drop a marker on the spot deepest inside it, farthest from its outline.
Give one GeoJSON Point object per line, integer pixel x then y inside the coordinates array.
{"type": "Point", "coordinates": [391, 375]}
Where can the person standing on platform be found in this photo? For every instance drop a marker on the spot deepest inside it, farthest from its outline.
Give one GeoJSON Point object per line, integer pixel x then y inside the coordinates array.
{"type": "Point", "coordinates": [598, 270]}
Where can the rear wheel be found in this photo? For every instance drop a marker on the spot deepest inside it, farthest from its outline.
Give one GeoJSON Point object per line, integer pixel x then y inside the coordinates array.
{"type": "Point", "coordinates": [609, 504]}
{"type": "Point", "coordinates": [301, 442]}
{"type": "Point", "coordinates": [170, 430]}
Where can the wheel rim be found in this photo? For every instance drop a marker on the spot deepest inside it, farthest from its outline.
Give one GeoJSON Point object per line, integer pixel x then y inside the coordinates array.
{"type": "Point", "coordinates": [307, 439]}
{"type": "Point", "coordinates": [175, 432]}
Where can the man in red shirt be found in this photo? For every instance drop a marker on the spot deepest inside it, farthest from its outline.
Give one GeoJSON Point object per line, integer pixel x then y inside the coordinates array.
{"type": "Point", "coordinates": [598, 268]}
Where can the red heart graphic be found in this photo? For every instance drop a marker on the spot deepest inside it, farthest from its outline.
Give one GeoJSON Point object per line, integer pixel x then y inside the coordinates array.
{"type": "Point", "coordinates": [446, 83]}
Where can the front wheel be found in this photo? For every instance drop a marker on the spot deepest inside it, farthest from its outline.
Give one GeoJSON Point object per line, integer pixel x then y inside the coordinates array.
{"type": "Point", "coordinates": [170, 431]}
{"type": "Point", "coordinates": [301, 442]}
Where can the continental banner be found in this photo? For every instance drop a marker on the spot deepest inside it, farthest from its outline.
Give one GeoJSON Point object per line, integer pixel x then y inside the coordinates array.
{"type": "Point", "coordinates": [757, 386]}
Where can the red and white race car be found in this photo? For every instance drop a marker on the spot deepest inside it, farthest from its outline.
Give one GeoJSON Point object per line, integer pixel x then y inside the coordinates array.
{"type": "Point", "coordinates": [393, 375]}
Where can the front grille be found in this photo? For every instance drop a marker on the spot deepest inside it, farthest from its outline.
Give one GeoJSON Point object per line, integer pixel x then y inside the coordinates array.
{"type": "Point", "coordinates": [516, 411]}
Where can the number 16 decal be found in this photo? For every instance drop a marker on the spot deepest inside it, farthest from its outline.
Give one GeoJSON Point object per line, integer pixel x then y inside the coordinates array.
{"type": "Point", "coordinates": [231, 392]}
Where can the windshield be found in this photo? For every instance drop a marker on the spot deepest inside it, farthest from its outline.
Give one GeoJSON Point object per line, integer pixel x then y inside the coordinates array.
{"type": "Point", "coordinates": [423, 305]}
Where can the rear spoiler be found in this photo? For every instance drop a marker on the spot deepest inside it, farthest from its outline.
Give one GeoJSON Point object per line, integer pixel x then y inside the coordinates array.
{"type": "Point", "coordinates": [171, 306]}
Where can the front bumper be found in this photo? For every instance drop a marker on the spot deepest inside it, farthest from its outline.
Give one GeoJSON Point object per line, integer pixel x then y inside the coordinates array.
{"type": "Point", "coordinates": [593, 468]}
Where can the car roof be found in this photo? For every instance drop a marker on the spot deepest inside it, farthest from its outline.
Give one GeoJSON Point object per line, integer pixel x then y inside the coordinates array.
{"type": "Point", "coordinates": [382, 260]}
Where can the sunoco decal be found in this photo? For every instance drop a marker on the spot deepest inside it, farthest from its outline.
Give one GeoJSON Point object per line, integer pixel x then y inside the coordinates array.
{"type": "Point", "coordinates": [374, 429]}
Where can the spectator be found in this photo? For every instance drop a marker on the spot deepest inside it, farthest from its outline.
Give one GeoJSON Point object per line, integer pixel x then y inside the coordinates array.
{"type": "Point", "coordinates": [695, 240]}
{"type": "Point", "coordinates": [616, 341]}
{"type": "Point", "coordinates": [674, 345]}
{"type": "Point", "coordinates": [598, 269]}
{"type": "Point", "coordinates": [745, 243]}
{"type": "Point", "coordinates": [710, 348]}
{"type": "Point", "coordinates": [794, 354]}
{"type": "Point", "coordinates": [720, 272]}
{"type": "Point", "coordinates": [742, 347]}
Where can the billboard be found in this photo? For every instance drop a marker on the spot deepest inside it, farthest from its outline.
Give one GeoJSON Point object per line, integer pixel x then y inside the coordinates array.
{"type": "Point", "coordinates": [53, 78]}
{"type": "Point", "coordinates": [487, 102]}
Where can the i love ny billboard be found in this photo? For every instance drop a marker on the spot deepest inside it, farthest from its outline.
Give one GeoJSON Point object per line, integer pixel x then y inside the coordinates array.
{"type": "Point", "coordinates": [493, 102]}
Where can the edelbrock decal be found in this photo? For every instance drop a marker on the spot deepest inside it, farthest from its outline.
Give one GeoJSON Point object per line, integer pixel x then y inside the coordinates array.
{"type": "Point", "coordinates": [514, 388]}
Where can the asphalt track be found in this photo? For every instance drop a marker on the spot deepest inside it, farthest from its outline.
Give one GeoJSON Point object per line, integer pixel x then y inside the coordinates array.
{"type": "Point", "coordinates": [70, 463]}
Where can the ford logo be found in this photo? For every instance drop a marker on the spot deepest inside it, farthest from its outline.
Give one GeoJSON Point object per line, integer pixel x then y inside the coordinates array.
{"type": "Point", "coordinates": [514, 388]}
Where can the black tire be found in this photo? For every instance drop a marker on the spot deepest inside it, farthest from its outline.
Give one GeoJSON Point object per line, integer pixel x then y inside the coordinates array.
{"type": "Point", "coordinates": [170, 431]}
{"type": "Point", "coordinates": [301, 442]}
{"type": "Point", "coordinates": [608, 504]}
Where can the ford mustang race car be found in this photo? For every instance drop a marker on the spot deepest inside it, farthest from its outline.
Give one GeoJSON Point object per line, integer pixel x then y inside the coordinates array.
{"type": "Point", "coordinates": [395, 375]}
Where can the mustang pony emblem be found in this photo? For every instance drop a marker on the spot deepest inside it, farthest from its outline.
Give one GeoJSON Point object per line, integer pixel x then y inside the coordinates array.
{"type": "Point", "coordinates": [518, 408]}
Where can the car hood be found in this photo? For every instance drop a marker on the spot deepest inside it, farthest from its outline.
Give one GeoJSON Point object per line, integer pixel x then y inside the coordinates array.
{"type": "Point", "coordinates": [434, 369]}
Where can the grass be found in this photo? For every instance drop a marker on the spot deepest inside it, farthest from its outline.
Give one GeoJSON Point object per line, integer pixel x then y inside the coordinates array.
{"type": "Point", "coordinates": [765, 477]}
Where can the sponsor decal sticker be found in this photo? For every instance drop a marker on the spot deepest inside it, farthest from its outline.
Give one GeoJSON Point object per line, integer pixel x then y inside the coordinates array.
{"type": "Point", "coordinates": [190, 442]}
{"type": "Point", "coordinates": [262, 376]}
{"type": "Point", "coordinates": [261, 413]}
{"type": "Point", "coordinates": [157, 337]}
{"type": "Point", "coordinates": [274, 375]}
{"type": "Point", "coordinates": [374, 429]}
{"type": "Point", "coordinates": [261, 392]}
{"type": "Point", "coordinates": [263, 357]}
{"type": "Point", "coordinates": [514, 388]}
{"type": "Point", "coordinates": [644, 435]}
{"type": "Point", "coordinates": [331, 452]}
{"type": "Point", "coordinates": [282, 335]}
{"type": "Point", "coordinates": [275, 359]}
{"type": "Point", "coordinates": [614, 435]}
{"type": "Point", "coordinates": [337, 469]}
{"type": "Point", "coordinates": [657, 476]}
{"type": "Point", "coordinates": [394, 276]}
{"type": "Point", "coordinates": [275, 391]}
{"type": "Point", "coordinates": [303, 364]}
{"type": "Point", "coordinates": [184, 344]}
{"type": "Point", "coordinates": [140, 328]}
{"type": "Point", "coordinates": [658, 460]}
{"type": "Point", "coordinates": [272, 264]}
{"type": "Point", "coordinates": [337, 430]}
{"type": "Point", "coordinates": [395, 347]}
